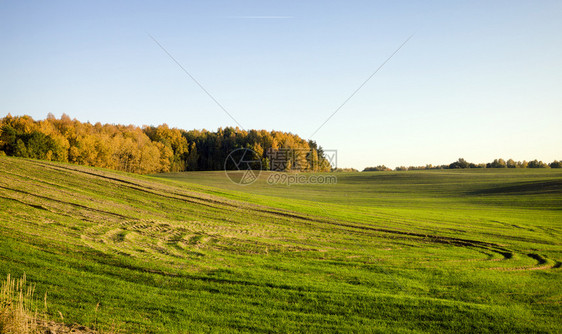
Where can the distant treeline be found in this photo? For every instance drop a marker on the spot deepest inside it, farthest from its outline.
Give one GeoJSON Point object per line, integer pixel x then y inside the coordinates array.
{"type": "Point", "coordinates": [461, 163]}
{"type": "Point", "coordinates": [148, 149]}
{"type": "Point", "coordinates": [341, 170]}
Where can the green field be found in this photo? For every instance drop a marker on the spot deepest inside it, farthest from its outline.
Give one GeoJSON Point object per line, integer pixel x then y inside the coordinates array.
{"type": "Point", "coordinates": [418, 251]}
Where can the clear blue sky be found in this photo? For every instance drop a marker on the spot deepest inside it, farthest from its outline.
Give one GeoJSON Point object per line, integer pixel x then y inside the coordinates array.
{"type": "Point", "coordinates": [479, 79]}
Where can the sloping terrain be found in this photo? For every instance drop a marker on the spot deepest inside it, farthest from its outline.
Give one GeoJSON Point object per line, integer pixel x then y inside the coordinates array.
{"type": "Point", "coordinates": [402, 255]}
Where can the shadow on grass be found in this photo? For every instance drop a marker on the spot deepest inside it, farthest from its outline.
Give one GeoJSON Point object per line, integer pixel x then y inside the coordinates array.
{"type": "Point", "coordinates": [523, 188]}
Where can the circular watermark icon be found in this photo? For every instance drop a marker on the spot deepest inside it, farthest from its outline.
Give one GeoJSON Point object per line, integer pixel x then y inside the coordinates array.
{"type": "Point", "coordinates": [242, 166]}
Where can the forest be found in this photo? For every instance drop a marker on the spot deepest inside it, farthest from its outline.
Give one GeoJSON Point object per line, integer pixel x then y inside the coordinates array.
{"type": "Point", "coordinates": [462, 164]}
{"type": "Point", "coordinates": [155, 149]}
{"type": "Point", "coordinates": [149, 149]}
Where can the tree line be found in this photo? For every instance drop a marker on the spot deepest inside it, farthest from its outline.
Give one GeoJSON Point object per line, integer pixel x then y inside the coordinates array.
{"type": "Point", "coordinates": [462, 163]}
{"type": "Point", "coordinates": [148, 149]}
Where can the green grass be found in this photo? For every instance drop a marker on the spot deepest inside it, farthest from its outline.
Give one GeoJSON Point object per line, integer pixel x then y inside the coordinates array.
{"type": "Point", "coordinates": [407, 252]}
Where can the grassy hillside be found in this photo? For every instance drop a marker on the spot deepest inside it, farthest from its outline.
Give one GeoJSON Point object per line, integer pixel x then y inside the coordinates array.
{"type": "Point", "coordinates": [427, 251]}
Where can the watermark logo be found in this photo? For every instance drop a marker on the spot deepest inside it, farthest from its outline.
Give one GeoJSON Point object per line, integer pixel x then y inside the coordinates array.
{"type": "Point", "coordinates": [291, 179]}
{"type": "Point", "coordinates": [283, 160]}
{"type": "Point", "coordinates": [289, 166]}
{"type": "Point", "coordinates": [243, 166]}
{"type": "Point", "coordinates": [330, 157]}
{"type": "Point", "coordinates": [302, 160]}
